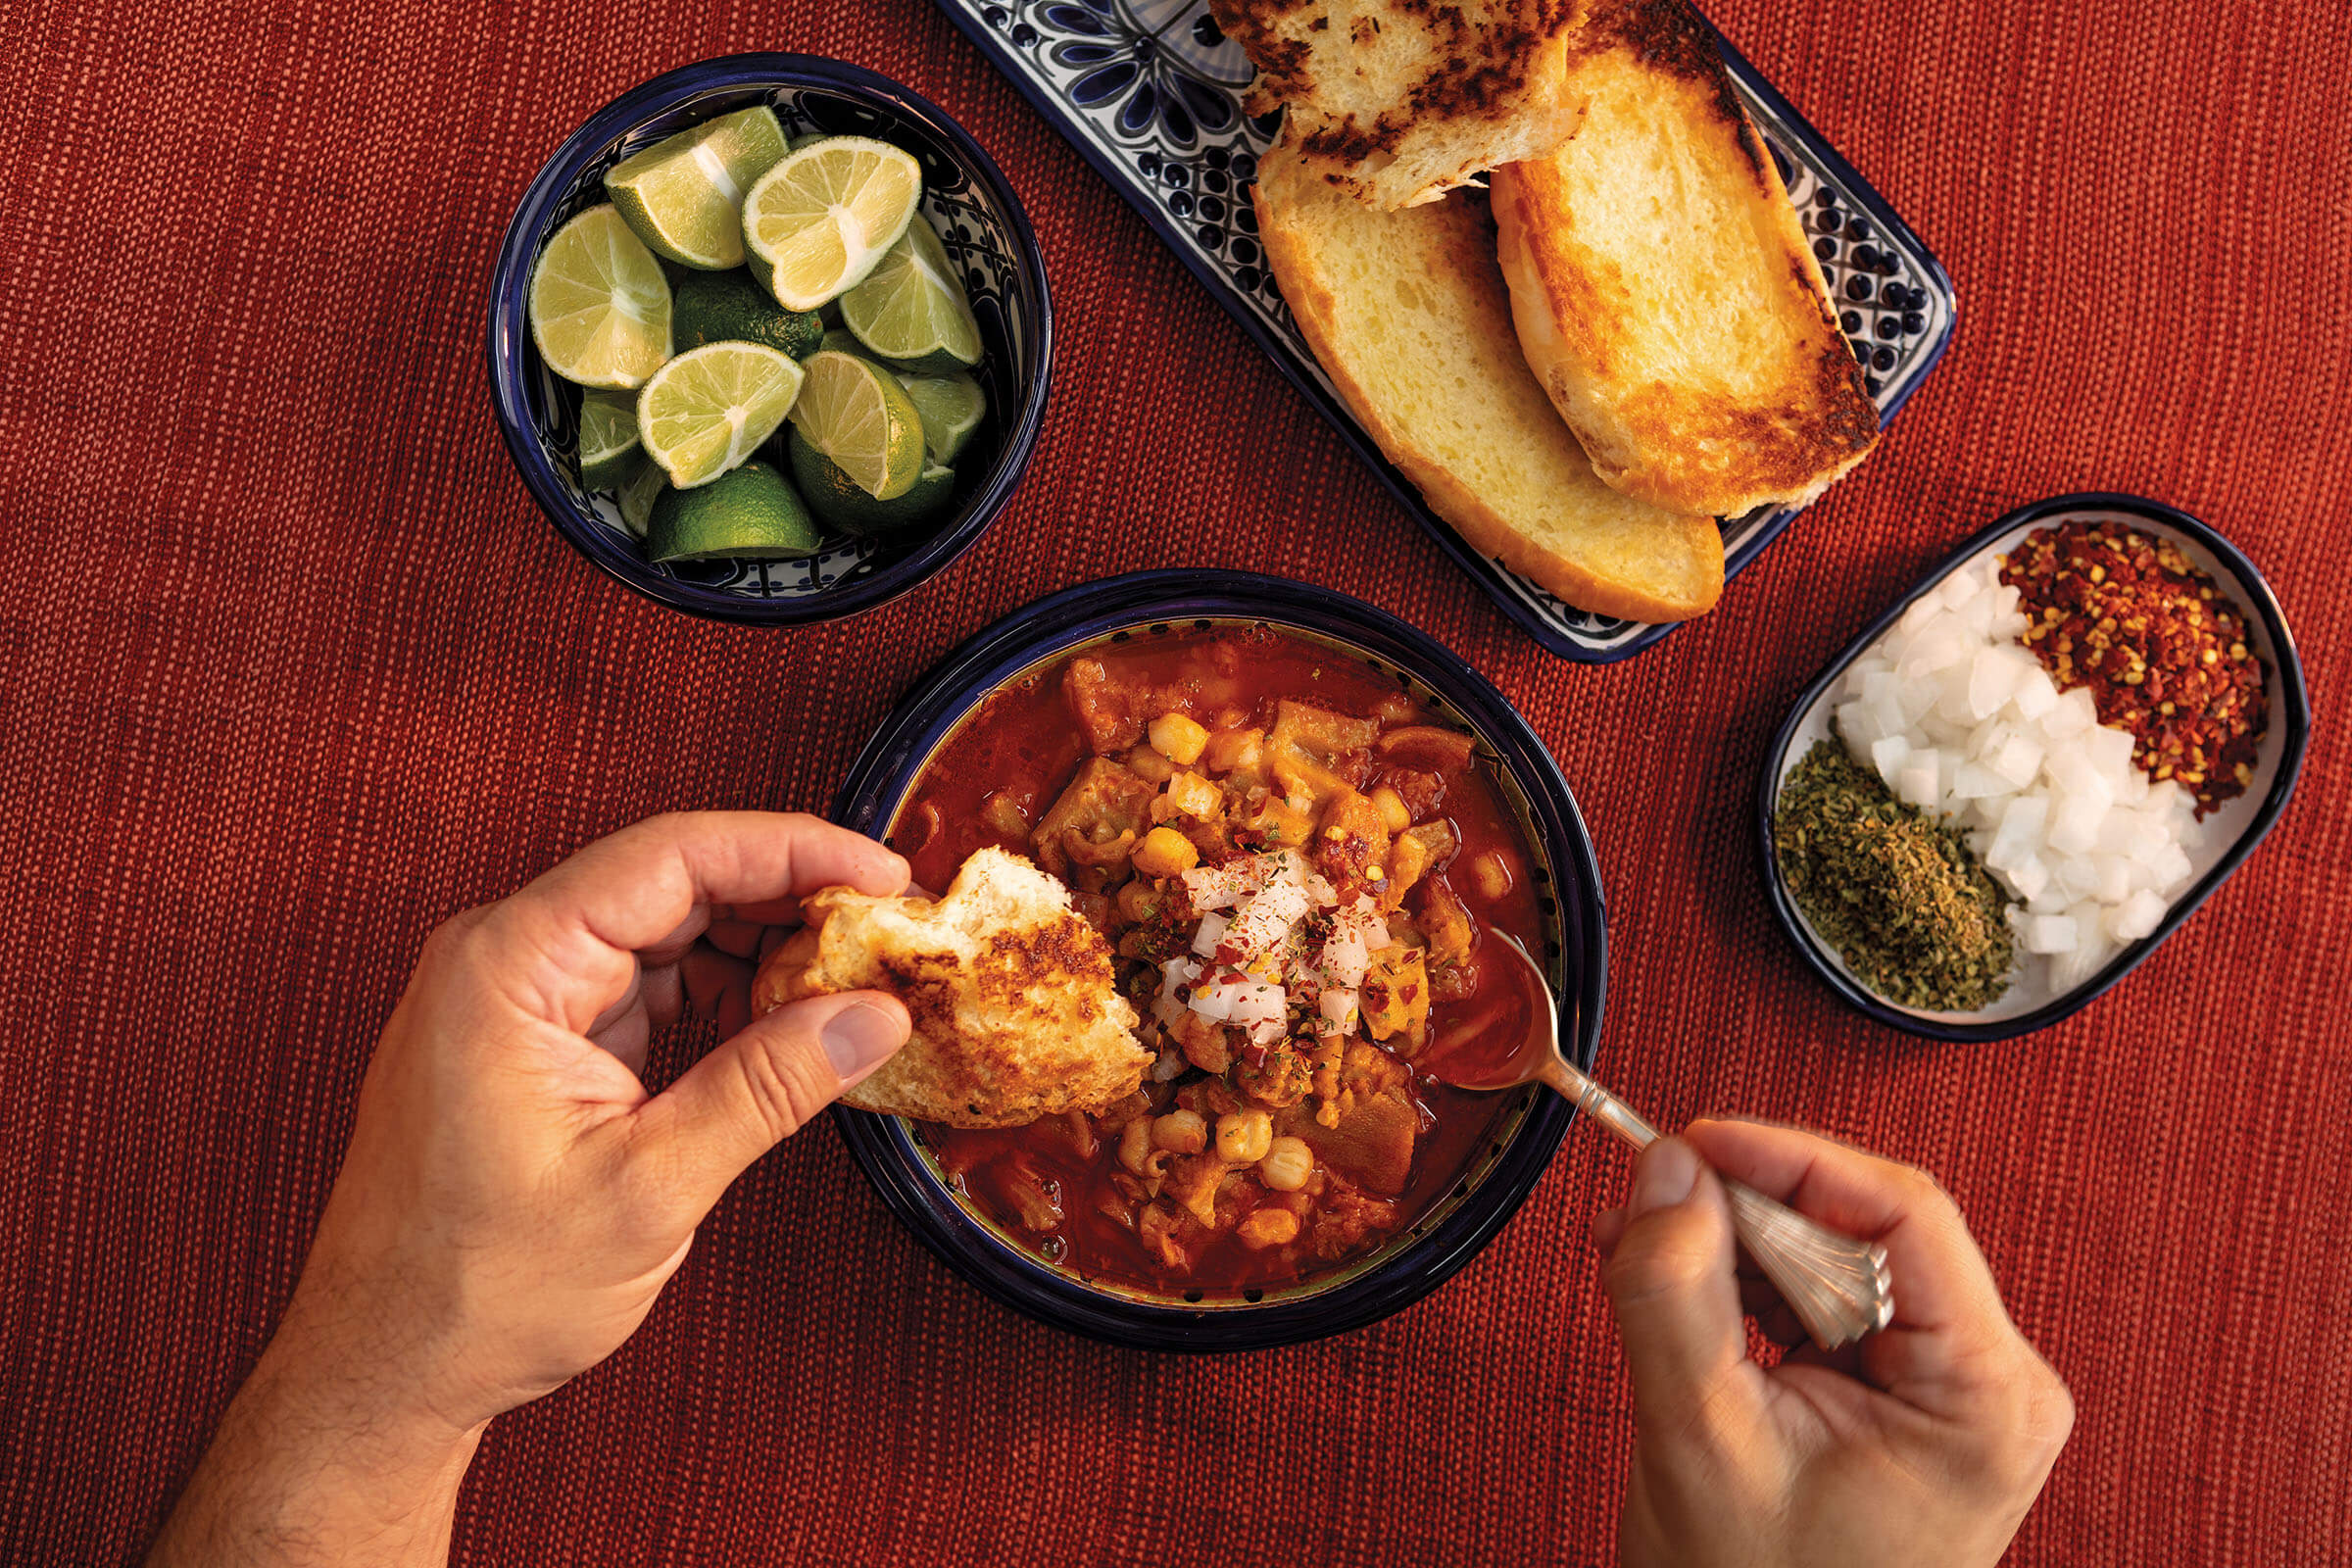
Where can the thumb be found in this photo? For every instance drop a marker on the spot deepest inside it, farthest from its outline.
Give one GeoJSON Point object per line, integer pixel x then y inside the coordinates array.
{"type": "Point", "coordinates": [765, 1083]}
{"type": "Point", "coordinates": [1672, 1285]}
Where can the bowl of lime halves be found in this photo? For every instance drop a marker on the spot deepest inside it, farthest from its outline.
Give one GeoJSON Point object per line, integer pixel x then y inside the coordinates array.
{"type": "Point", "coordinates": [769, 339]}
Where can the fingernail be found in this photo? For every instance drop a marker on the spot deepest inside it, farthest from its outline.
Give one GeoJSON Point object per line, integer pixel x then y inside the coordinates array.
{"type": "Point", "coordinates": [859, 1038]}
{"type": "Point", "coordinates": [1667, 1173]}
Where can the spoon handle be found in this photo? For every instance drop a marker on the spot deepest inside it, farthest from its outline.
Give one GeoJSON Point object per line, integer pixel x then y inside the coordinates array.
{"type": "Point", "coordinates": [1838, 1287]}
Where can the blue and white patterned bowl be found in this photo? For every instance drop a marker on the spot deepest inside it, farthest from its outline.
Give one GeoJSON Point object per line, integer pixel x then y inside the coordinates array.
{"type": "Point", "coordinates": [986, 235]}
{"type": "Point", "coordinates": [1574, 954]}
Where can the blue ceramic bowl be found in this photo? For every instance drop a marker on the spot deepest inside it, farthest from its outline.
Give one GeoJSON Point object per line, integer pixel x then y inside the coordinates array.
{"type": "Point", "coordinates": [2232, 833]}
{"type": "Point", "coordinates": [986, 235]}
{"type": "Point", "coordinates": [1440, 1242]}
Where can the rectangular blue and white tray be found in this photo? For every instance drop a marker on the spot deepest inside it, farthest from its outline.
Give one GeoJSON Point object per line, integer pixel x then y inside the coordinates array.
{"type": "Point", "coordinates": [1149, 92]}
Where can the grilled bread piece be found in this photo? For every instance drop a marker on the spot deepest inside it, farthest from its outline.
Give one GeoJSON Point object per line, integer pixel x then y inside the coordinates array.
{"type": "Point", "coordinates": [1396, 101]}
{"type": "Point", "coordinates": [1016, 1015]}
{"type": "Point", "coordinates": [1411, 322]}
{"type": "Point", "coordinates": [1664, 292]}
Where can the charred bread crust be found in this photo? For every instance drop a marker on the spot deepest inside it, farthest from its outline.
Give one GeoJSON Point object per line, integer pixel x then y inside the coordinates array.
{"type": "Point", "coordinates": [1705, 441]}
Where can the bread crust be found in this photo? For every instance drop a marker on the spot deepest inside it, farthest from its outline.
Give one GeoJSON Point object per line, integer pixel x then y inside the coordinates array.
{"type": "Point", "coordinates": [1398, 101]}
{"type": "Point", "coordinates": [1685, 576]}
{"type": "Point", "coordinates": [1698, 358]}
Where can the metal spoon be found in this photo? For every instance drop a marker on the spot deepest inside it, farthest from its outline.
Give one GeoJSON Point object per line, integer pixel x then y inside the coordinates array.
{"type": "Point", "coordinates": [1838, 1287]}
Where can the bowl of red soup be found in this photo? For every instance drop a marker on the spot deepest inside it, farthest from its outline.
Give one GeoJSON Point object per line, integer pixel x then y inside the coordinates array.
{"type": "Point", "coordinates": [1302, 826]}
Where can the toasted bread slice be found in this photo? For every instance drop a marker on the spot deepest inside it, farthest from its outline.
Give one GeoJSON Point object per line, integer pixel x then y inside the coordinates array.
{"type": "Point", "coordinates": [1016, 1012]}
{"type": "Point", "coordinates": [1396, 102]}
{"type": "Point", "coordinates": [1665, 293]}
{"type": "Point", "coordinates": [1409, 317]}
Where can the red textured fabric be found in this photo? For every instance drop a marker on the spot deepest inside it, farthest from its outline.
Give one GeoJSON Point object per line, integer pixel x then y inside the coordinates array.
{"type": "Point", "coordinates": [293, 669]}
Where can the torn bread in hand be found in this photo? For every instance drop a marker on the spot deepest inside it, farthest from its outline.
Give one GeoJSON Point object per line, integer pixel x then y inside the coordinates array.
{"type": "Point", "coordinates": [1396, 104]}
{"type": "Point", "coordinates": [1665, 293]}
{"type": "Point", "coordinates": [1016, 1014]}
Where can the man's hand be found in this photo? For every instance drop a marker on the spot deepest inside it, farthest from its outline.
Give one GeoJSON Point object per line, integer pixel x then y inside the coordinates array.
{"type": "Point", "coordinates": [1923, 1445]}
{"type": "Point", "coordinates": [512, 1200]}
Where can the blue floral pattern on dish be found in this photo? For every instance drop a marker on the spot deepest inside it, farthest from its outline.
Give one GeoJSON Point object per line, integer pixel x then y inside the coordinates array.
{"type": "Point", "coordinates": [1130, 83]}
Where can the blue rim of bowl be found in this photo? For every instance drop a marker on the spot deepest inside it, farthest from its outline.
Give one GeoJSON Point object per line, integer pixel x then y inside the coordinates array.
{"type": "Point", "coordinates": [509, 336]}
{"type": "Point", "coordinates": [877, 784]}
{"type": "Point", "coordinates": [2289, 708]}
{"type": "Point", "coordinates": [969, 21]}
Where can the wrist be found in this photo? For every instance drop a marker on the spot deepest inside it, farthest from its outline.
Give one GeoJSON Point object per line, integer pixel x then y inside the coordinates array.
{"type": "Point", "coordinates": [319, 1461]}
{"type": "Point", "coordinates": [327, 1372]}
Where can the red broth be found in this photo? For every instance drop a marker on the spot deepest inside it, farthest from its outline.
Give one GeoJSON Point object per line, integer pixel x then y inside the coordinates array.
{"type": "Point", "coordinates": [1056, 1184]}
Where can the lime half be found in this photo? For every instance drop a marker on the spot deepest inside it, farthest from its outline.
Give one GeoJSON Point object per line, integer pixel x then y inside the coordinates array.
{"type": "Point", "coordinates": [748, 513]}
{"type": "Point", "coordinates": [951, 407]}
{"type": "Point", "coordinates": [728, 306]}
{"type": "Point", "coordinates": [600, 306]}
{"type": "Point", "coordinates": [856, 413]}
{"type": "Point", "coordinates": [838, 500]}
{"type": "Point", "coordinates": [609, 452]}
{"type": "Point", "coordinates": [910, 309]}
{"type": "Point", "coordinates": [708, 409]}
{"type": "Point", "coordinates": [823, 217]}
{"type": "Point", "coordinates": [684, 195]}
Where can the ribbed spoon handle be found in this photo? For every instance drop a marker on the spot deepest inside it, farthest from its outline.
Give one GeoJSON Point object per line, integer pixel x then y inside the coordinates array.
{"type": "Point", "coordinates": [1838, 1287]}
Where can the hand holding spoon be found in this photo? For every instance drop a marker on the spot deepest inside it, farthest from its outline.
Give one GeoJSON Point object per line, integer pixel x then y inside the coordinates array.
{"type": "Point", "coordinates": [1838, 1287]}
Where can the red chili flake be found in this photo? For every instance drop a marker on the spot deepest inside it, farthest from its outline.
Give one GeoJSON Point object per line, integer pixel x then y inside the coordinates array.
{"type": "Point", "coordinates": [1411, 993]}
{"type": "Point", "coordinates": [2161, 650]}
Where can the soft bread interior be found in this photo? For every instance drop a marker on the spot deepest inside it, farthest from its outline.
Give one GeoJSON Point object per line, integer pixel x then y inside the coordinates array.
{"type": "Point", "coordinates": [1408, 314]}
{"type": "Point", "coordinates": [1663, 288]}
{"type": "Point", "coordinates": [1015, 1009]}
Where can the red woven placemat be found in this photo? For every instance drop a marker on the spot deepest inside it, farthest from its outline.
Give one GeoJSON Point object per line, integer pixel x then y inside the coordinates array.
{"type": "Point", "coordinates": [293, 668]}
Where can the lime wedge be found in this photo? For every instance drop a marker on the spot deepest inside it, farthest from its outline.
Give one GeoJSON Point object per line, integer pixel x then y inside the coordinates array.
{"type": "Point", "coordinates": [910, 309]}
{"type": "Point", "coordinates": [728, 306]}
{"type": "Point", "coordinates": [637, 497]}
{"type": "Point", "coordinates": [951, 407]}
{"type": "Point", "coordinates": [684, 195]}
{"type": "Point", "coordinates": [856, 413]}
{"type": "Point", "coordinates": [822, 218]}
{"type": "Point", "coordinates": [600, 306]}
{"type": "Point", "coordinates": [609, 452]}
{"type": "Point", "coordinates": [708, 409]}
{"type": "Point", "coordinates": [838, 500]}
{"type": "Point", "coordinates": [748, 512]}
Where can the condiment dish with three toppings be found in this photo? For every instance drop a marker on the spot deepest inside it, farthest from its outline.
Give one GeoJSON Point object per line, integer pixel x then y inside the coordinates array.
{"type": "Point", "coordinates": [2235, 818]}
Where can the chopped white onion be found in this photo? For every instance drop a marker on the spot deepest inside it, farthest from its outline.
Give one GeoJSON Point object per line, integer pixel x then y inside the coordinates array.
{"type": "Point", "coordinates": [1958, 717]}
{"type": "Point", "coordinates": [1211, 931]}
{"type": "Point", "coordinates": [2136, 916]}
{"type": "Point", "coordinates": [1888, 756]}
{"type": "Point", "coordinates": [2046, 933]}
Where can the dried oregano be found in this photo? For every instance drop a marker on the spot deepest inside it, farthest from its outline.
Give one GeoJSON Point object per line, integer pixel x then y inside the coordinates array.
{"type": "Point", "coordinates": [1897, 894]}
